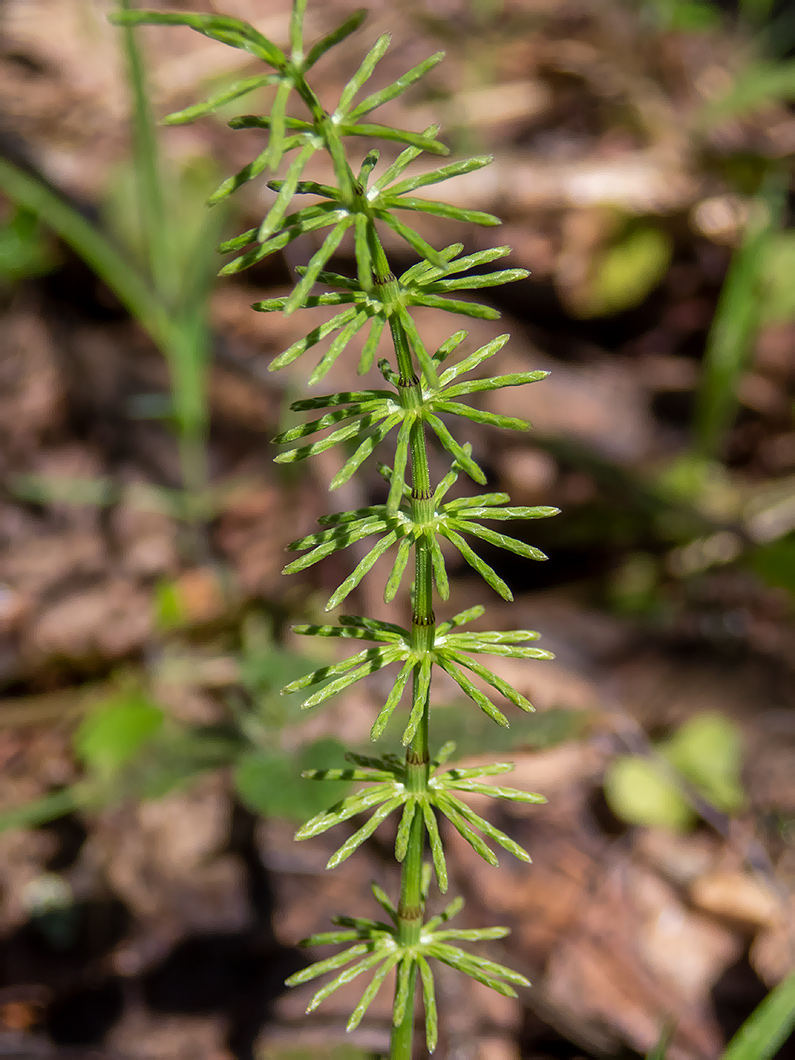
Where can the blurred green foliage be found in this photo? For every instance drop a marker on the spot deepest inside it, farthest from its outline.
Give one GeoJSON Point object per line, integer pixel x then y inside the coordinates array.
{"type": "Point", "coordinates": [114, 733]}
{"type": "Point", "coordinates": [738, 316]}
{"type": "Point", "coordinates": [156, 253]}
{"type": "Point", "coordinates": [768, 1026]}
{"type": "Point", "coordinates": [775, 563]}
{"type": "Point", "coordinates": [705, 752]}
{"type": "Point", "coordinates": [25, 249]}
{"type": "Point", "coordinates": [687, 16]}
{"type": "Point", "coordinates": [625, 270]}
{"type": "Point", "coordinates": [472, 734]}
{"type": "Point", "coordinates": [759, 84]}
{"type": "Point", "coordinates": [270, 783]}
{"type": "Point", "coordinates": [132, 747]}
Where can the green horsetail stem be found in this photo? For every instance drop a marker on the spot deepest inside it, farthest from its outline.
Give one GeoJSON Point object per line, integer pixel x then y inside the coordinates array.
{"type": "Point", "coordinates": [424, 390]}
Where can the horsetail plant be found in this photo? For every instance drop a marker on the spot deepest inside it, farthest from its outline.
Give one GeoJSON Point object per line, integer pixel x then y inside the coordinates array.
{"type": "Point", "coordinates": [422, 390]}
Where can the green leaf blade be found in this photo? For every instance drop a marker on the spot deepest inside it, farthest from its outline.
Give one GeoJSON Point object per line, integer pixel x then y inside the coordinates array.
{"type": "Point", "coordinates": [436, 176]}
{"type": "Point", "coordinates": [343, 979]}
{"type": "Point", "coordinates": [510, 544]}
{"type": "Point", "coordinates": [369, 995]}
{"type": "Point", "coordinates": [768, 1026]}
{"type": "Point", "coordinates": [223, 28]}
{"type": "Point", "coordinates": [398, 570]}
{"type": "Point", "coordinates": [365, 449]}
{"type": "Point", "coordinates": [440, 209]}
{"type": "Point", "coordinates": [362, 568]}
{"type": "Point", "coordinates": [402, 989]}
{"type": "Point", "coordinates": [356, 840]}
{"type": "Point", "coordinates": [460, 455]}
{"type": "Point", "coordinates": [363, 74]}
{"type": "Point", "coordinates": [316, 263]}
{"type": "Point", "coordinates": [435, 843]}
{"type": "Point", "coordinates": [275, 215]}
{"type": "Point", "coordinates": [487, 573]}
{"type": "Point", "coordinates": [472, 691]}
{"type": "Point", "coordinates": [344, 810]}
{"type": "Point", "coordinates": [345, 29]}
{"type": "Point", "coordinates": [330, 964]}
{"type": "Point", "coordinates": [220, 99]}
{"type": "Point", "coordinates": [429, 1002]}
{"type": "Point", "coordinates": [397, 88]}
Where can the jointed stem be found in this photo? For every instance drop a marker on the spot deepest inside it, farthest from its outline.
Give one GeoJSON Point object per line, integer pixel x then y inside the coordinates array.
{"type": "Point", "coordinates": [400, 1046]}
{"type": "Point", "coordinates": [411, 904]}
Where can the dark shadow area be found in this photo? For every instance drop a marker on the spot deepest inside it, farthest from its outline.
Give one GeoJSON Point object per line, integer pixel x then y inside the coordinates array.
{"type": "Point", "coordinates": [58, 947]}
{"type": "Point", "coordinates": [537, 1038]}
{"type": "Point", "coordinates": [64, 950]}
{"type": "Point", "coordinates": [603, 817]}
{"type": "Point", "coordinates": [238, 974]}
{"type": "Point", "coordinates": [84, 1017]}
{"type": "Point", "coordinates": [70, 833]}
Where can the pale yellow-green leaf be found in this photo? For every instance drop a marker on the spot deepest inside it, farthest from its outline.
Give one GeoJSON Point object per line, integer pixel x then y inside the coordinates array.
{"type": "Point", "coordinates": [638, 792]}
{"type": "Point", "coordinates": [708, 750]}
{"type": "Point", "coordinates": [624, 273]}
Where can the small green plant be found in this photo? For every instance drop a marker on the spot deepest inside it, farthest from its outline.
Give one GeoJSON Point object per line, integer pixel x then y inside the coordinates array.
{"type": "Point", "coordinates": [129, 748]}
{"type": "Point", "coordinates": [421, 390]}
{"type": "Point", "coordinates": [705, 753]}
{"type": "Point", "coordinates": [159, 262]}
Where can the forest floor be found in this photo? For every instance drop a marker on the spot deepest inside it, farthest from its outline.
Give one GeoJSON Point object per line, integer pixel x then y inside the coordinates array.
{"type": "Point", "coordinates": [155, 915]}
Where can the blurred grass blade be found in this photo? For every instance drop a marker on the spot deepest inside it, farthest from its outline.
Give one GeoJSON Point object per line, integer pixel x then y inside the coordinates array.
{"type": "Point", "coordinates": [183, 287]}
{"type": "Point", "coordinates": [736, 320]}
{"type": "Point", "coordinates": [101, 491]}
{"type": "Point", "coordinates": [110, 265]}
{"type": "Point", "coordinates": [42, 810]}
{"type": "Point", "coordinates": [759, 85]}
{"type": "Point", "coordinates": [768, 1026]}
{"type": "Point", "coordinates": [152, 210]}
{"type": "Point", "coordinates": [660, 1050]}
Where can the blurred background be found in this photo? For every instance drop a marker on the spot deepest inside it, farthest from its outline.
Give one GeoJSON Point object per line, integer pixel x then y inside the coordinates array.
{"type": "Point", "coordinates": [152, 896]}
